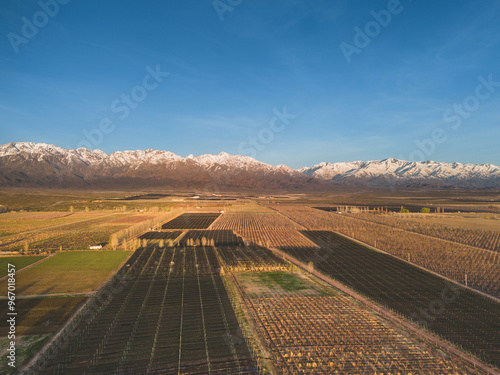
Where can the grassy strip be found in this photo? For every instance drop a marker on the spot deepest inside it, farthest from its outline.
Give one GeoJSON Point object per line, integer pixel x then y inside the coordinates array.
{"type": "Point", "coordinates": [19, 262]}
{"type": "Point", "coordinates": [285, 280]}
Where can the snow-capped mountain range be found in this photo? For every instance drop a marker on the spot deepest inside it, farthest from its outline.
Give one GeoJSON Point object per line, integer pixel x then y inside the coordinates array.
{"type": "Point", "coordinates": [38, 164]}
{"type": "Point", "coordinates": [394, 171]}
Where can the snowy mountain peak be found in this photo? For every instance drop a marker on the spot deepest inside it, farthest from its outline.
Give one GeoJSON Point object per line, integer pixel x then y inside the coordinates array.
{"type": "Point", "coordinates": [43, 150]}
{"type": "Point", "coordinates": [25, 163]}
{"type": "Point", "coordinates": [379, 172]}
{"type": "Point", "coordinates": [38, 164]}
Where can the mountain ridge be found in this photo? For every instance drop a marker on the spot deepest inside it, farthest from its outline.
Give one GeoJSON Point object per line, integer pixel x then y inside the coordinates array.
{"type": "Point", "coordinates": [40, 164]}
{"type": "Point", "coordinates": [394, 171]}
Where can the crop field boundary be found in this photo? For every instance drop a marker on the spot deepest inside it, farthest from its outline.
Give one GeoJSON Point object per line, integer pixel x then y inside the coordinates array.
{"type": "Point", "coordinates": [65, 224]}
{"type": "Point", "coordinates": [239, 235]}
{"type": "Point", "coordinates": [420, 267]}
{"type": "Point", "coordinates": [420, 234]}
{"type": "Point", "coordinates": [29, 265]}
{"type": "Point", "coordinates": [192, 220]}
{"type": "Point", "coordinates": [144, 269]}
{"type": "Point", "coordinates": [112, 274]}
{"type": "Point", "coordinates": [496, 299]}
{"type": "Point", "coordinates": [62, 235]}
{"type": "Point", "coordinates": [40, 296]}
{"type": "Point", "coordinates": [79, 312]}
{"type": "Point", "coordinates": [391, 315]}
{"type": "Point", "coordinates": [130, 241]}
{"type": "Point", "coordinates": [26, 369]}
{"type": "Point", "coordinates": [179, 238]}
{"type": "Point", "coordinates": [282, 214]}
{"type": "Point", "coordinates": [249, 328]}
{"type": "Point", "coordinates": [215, 221]}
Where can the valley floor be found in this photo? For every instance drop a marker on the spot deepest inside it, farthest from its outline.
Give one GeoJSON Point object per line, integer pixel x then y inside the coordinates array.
{"type": "Point", "coordinates": [243, 286]}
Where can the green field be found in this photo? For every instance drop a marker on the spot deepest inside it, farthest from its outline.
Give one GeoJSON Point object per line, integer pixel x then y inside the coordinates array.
{"type": "Point", "coordinates": [280, 282]}
{"type": "Point", "coordinates": [67, 272]}
{"type": "Point", "coordinates": [284, 280]}
{"type": "Point", "coordinates": [19, 262]}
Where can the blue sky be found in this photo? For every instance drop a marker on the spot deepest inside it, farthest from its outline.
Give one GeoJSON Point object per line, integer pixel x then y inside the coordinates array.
{"type": "Point", "coordinates": [232, 69]}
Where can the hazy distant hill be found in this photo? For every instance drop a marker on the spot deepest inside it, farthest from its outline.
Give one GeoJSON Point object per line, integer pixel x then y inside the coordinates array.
{"type": "Point", "coordinates": [26, 164]}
